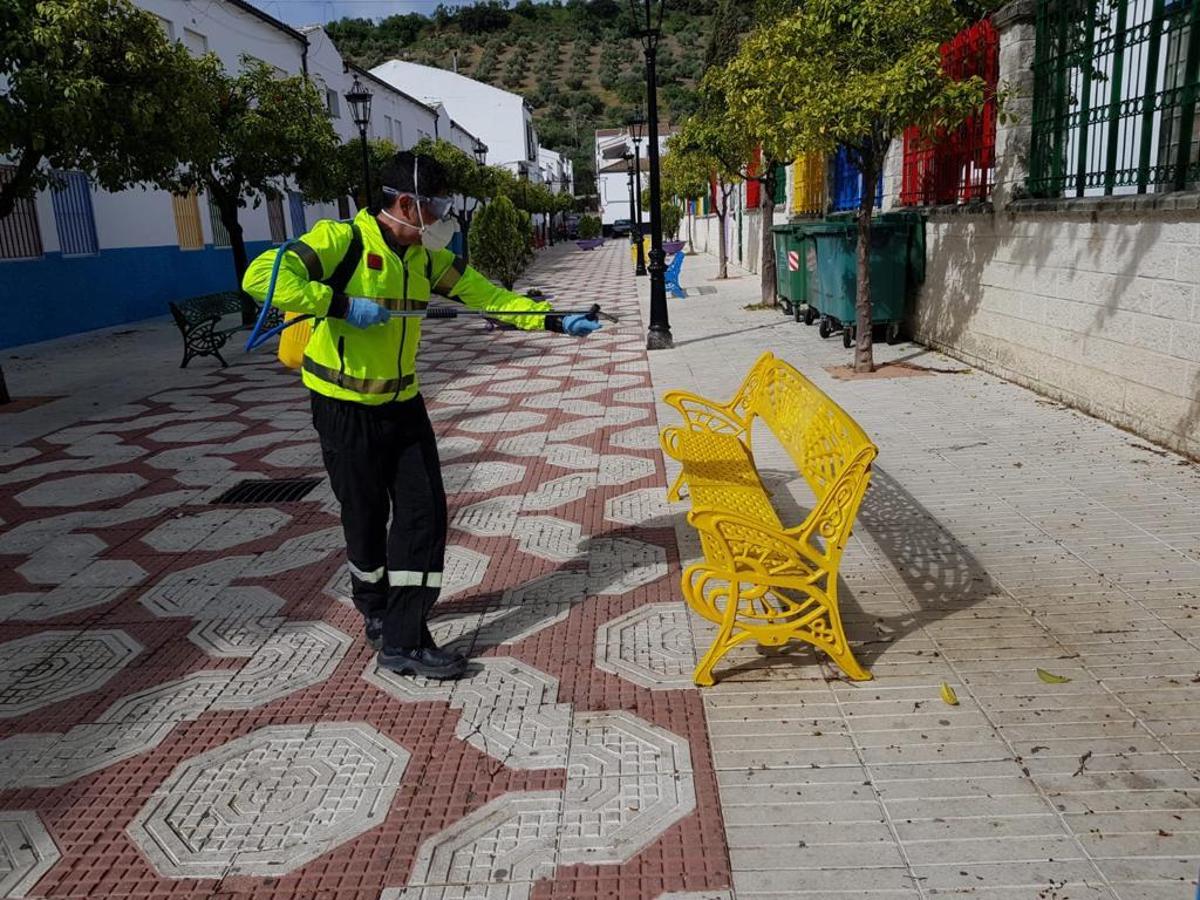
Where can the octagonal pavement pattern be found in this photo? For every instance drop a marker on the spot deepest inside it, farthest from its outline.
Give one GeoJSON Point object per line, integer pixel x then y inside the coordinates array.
{"type": "Point", "coordinates": [190, 709]}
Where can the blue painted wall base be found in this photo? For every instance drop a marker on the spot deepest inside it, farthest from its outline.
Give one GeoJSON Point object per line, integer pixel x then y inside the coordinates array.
{"type": "Point", "coordinates": [55, 295]}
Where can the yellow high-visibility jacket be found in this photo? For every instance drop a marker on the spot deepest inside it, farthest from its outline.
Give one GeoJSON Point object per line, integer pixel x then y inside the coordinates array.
{"type": "Point", "coordinates": [373, 365]}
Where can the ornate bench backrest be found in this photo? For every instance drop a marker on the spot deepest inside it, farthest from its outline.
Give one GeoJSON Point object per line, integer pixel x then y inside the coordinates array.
{"type": "Point", "coordinates": [821, 438]}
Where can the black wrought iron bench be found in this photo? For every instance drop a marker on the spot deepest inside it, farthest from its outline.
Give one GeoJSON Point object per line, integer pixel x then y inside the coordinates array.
{"type": "Point", "coordinates": [207, 323]}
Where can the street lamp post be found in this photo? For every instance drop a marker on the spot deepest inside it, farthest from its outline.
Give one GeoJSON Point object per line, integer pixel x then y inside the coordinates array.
{"type": "Point", "coordinates": [636, 124]}
{"type": "Point", "coordinates": [648, 25]}
{"type": "Point", "coordinates": [481, 152]}
{"type": "Point", "coordinates": [359, 99]}
{"type": "Point", "coordinates": [628, 158]}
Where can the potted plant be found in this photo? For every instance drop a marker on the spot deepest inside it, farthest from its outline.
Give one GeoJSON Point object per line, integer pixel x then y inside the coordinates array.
{"type": "Point", "coordinates": [590, 231]}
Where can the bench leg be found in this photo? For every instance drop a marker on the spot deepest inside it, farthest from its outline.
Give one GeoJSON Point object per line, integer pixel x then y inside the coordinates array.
{"type": "Point", "coordinates": [830, 637]}
{"type": "Point", "coordinates": [673, 494]}
{"type": "Point", "coordinates": [187, 358]}
{"type": "Point", "coordinates": [726, 638]}
{"type": "Point", "coordinates": [217, 354]}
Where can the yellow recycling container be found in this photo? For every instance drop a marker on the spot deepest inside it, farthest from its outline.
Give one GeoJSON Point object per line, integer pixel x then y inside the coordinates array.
{"type": "Point", "coordinates": [645, 250]}
{"type": "Point", "coordinates": [293, 340]}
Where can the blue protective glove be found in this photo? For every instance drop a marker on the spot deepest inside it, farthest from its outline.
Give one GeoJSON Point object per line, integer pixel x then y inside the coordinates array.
{"type": "Point", "coordinates": [579, 325]}
{"type": "Point", "coordinates": [363, 313]}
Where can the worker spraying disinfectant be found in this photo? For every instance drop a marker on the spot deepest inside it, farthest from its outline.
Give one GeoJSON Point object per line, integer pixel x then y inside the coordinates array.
{"type": "Point", "coordinates": [360, 368]}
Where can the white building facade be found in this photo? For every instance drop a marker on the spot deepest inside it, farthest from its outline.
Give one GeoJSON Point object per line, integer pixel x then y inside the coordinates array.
{"type": "Point", "coordinates": [612, 172]}
{"type": "Point", "coordinates": [120, 257]}
{"type": "Point", "coordinates": [499, 118]}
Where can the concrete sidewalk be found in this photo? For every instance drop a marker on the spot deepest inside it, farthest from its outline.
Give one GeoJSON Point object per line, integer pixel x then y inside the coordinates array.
{"type": "Point", "coordinates": [1002, 533]}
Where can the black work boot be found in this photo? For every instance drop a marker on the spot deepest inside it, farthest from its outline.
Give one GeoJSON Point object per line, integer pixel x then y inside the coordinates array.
{"type": "Point", "coordinates": [429, 662]}
{"type": "Point", "coordinates": [374, 629]}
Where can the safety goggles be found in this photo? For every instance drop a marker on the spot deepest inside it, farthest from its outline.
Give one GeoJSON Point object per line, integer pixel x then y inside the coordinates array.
{"type": "Point", "coordinates": [439, 208]}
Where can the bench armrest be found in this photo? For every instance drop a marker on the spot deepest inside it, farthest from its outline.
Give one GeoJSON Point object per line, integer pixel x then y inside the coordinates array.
{"type": "Point", "coordinates": [754, 551]}
{"type": "Point", "coordinates": [832, 518]}
{"type": "Point", "coordinates": [701, 413]}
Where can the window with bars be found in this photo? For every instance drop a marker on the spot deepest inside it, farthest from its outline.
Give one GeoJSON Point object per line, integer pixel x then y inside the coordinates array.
{"type": "Point", "coordinates": [19, 234]}
{"type": "Point", "coordinates": [219, 232]}
{"type": "Point", "coordinates": [73, 215]}
{"type": "Point", "coordinates": [808, 185]}
{"type": "Point", "coordinates": [275, 218]}
{"type": "Point", "coordinates": [1115, 92]}
{"type": "Point", "coordinates": [186, 210]}
{"type": "Point", "coordinates": [848, 183]}
{"type": "Point", "coordinates": [957, 166]}
{"type": "Point", "coordinates": [296, 208]}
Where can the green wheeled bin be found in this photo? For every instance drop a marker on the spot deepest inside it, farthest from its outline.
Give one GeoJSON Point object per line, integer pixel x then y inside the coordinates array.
{"type": "Point", "coordinates": [783, 285]}
{"type": "Point", "coordinates": [837, 274]}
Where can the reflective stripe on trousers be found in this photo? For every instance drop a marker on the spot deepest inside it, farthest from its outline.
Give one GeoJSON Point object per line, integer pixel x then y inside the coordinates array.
{"type": "Point", "coordinates": [406, 578]}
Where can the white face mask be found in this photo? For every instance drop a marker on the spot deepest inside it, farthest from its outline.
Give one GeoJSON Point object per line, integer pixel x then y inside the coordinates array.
{"type": "Point", "coordinates": [435, 236]}
{"type": "Point", "coordinates": [438, 235]}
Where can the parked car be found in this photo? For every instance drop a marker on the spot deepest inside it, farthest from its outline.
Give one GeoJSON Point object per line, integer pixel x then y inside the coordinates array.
{"type": "Point", "coordinates": [622, 228]}
{"type": "Point", "coordinates": [572, 227]}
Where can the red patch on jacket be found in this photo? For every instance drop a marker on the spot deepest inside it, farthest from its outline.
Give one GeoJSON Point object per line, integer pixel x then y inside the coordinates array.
{"type": "Point", "coordinates": [374, 261]}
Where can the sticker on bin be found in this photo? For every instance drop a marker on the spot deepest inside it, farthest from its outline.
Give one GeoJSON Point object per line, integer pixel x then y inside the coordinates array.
{"type": "Point", "coordinates": [793, 261]}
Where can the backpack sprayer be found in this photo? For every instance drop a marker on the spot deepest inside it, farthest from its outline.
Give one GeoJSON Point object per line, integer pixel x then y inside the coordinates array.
{"type": "Point", "coordinates": [258, 336]}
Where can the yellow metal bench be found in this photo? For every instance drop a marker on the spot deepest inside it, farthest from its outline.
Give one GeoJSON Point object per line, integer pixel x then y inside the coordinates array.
{"type": "Point", "coordinates": [761, 580]}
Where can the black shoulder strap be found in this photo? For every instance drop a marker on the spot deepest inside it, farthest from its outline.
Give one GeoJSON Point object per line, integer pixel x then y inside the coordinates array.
{"type": "Point", "coordinates": [345, 269]}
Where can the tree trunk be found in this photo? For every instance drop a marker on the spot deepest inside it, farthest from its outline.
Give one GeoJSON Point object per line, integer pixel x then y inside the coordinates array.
{"type": "Point", "coordinates": [766, 205]}
{"type": "Point", "coordinates": [691, 241]}
{"type": "Point", "coordinates": [4, 395]}
{"type": "Point", "coordinates": [864, 359]}
{"type": "Point", "coordinates": [722, 251]}
{"type": "Point", "coordinates": [227, 206]}
{"type": "Point", "coordinates": [12, 189]}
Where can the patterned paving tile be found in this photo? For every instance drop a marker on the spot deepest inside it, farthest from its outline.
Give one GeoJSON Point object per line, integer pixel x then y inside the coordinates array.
{"type": "Point", "coordinates": [215, 530]}
{"type": "Point", "coordinates": [53, 666]}
{"type": "Point", "coordinates": [269, 802]}
{"type": "Point", "coordinates": [80, 490]}
{"type": "Point", "coordinates": [651, 646]}
{"type": "Point", "coordinates": [647, 507]}
{"type": "Point", "coordinates": [618, 565]}
{"type": "Point", "coordinates": [512, 838]}
{"type": "Point", "coordinates": [27, 852]}
{"type": "Point", "coordinates": [509, 709]}
{"type": "Point", "coordinates": [548, 537]}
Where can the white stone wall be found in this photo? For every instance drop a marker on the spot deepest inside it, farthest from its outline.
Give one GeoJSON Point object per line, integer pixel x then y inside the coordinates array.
{"type": "Point", "coordinates": [1101, 312]}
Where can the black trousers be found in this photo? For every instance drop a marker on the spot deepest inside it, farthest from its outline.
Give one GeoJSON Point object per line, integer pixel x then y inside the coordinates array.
{"type": "Point", "coordinates": [383, 460]}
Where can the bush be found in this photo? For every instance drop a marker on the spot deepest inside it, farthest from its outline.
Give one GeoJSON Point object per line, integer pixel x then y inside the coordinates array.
{"type": "Point", "coordinates": [590, 227]}
{"type": "Point", "coordinates": [499, 242]}
{"type": "Point", "coordinates": [672, 215]}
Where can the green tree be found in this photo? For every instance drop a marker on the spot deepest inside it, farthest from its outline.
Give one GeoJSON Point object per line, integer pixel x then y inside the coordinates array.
{"type": "Point", "coordinates": [686, 177]}
{"type": "Point", "coordinates": [499, 241]}
{"type": "Point", "coordinates": [94, 85]}
{"type": "Point", "coordinates": [473, 183]}
{"type": "Point", "coordinates": [854, 72]}
{"type": "Point", "coordinates": [269, 131]}
{"type": "Point", "coordinates": [705, 148]}
{"type": "Point", "coordinates": [350, 167]}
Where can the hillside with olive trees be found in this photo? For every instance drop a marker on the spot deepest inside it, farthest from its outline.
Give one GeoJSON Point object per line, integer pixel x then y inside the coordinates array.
{"type": "Point", "coordinates": [576, 62]}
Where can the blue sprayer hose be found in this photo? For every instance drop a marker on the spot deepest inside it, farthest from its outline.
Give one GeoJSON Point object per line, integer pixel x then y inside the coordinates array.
{"type": "Point", "coordinates": [257, 336]}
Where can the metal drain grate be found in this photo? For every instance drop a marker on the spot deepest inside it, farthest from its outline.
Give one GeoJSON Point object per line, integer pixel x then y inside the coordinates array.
{"type": "Point", "coordinates": [276, 490]}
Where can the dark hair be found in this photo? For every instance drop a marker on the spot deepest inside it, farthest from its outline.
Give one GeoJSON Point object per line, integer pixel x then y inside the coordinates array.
{"type": "Point", "coordinates": [397, 173]}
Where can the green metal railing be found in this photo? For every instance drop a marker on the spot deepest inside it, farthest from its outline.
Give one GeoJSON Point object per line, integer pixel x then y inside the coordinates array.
{"type": "Point", "coordinates": [1115, 92]}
